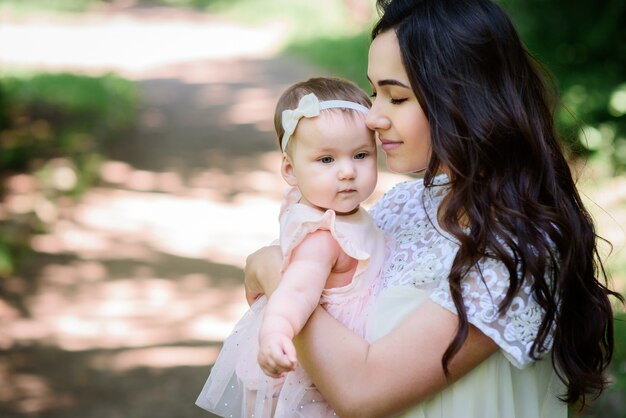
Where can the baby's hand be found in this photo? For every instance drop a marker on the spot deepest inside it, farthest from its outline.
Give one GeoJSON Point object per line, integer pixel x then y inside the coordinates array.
{"type": "Point", "coordinates": [277, 355]}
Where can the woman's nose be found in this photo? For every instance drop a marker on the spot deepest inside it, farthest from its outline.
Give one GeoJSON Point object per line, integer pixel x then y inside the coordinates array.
{"type": "Point", "coordinates": [375, 120]}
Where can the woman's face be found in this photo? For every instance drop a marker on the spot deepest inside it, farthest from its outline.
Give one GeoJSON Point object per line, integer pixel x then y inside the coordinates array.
{"type": "Point", "coordinates": [396, 115]}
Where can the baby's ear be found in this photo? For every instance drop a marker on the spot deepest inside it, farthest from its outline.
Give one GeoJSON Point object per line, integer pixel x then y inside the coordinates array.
{"type": "Point", "coordinates": [286, 169]}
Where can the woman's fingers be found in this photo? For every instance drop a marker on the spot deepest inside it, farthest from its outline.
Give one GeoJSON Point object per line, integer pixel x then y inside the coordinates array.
{"type": "Point", "coordinates": [262, 272]}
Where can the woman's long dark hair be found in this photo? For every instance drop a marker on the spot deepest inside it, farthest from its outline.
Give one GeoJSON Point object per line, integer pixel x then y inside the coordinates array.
{"type": "Point", "coordinates": [512, 195]}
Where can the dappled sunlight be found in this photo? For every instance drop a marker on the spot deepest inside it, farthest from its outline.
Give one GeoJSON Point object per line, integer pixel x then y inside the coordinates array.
{"type": "Point", "coordinates": [122, 174]}
{"type": "Point", "coordinates": [253, 106]}
{"type": "Point", "coordinates": [152, 119]}
{"type": "Point", "coordinates": [79, 314]}
{"type": "Point", "coordinates": [209, 224]}
{"type": "Point", "coordinates": [93, 301]}
{"type": "Point", "coordinates": [142, 274]}
{"type": "Point", "coordinates": [612, 225]}
{"type": "Point", "coordinates": [155, 357]}
{"type": "Point", "coordinates": [67, 237]}
{"type": "Point", "coordinates": [184, 226]}
{"type": "Point", "coordinates": [129, 288]}
{"type": "Point", "coordinates": [135, 45]}
{"type": "Point", "coordinates": [21, 184]}
{"type": "Point", "coordinates": [223, 72]}
{"type": "Point", "coordinates": [605, 197]}
{"type": "Point", "coordinates": [30, 393]}
{"type": "Point", "coordinates": [607, 204]}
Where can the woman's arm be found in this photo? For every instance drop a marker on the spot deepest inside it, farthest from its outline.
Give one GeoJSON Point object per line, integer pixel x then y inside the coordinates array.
{"type": "Point", "coordinates": [392, 374]}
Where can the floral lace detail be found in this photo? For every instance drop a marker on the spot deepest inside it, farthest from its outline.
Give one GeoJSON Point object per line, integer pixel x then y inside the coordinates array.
{"type": "Point", "coordinates": [422, 255]}
{"type": "Point", "coordinates": [421, 250]}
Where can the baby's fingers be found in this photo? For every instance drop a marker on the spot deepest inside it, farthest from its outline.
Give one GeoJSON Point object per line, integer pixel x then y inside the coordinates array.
{"type": "Point", "coordinates": [269, 366]}
{"type": "Point", "coordinates": [289, 351]}
{"type": "Point", "coordinates": [276, 364]}
{"type": "Point", "coordinates": [272, 372]}
{"type": "Point", "coordinates": [282, 361]}
{"type": "Point", "coordinates": [284, 364]}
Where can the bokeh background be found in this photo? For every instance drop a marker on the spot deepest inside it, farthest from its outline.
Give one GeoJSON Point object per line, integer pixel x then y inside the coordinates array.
{"type": "Point", "coordinates": [138, 168]}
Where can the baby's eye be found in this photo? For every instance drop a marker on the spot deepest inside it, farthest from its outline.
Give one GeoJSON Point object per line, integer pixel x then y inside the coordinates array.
{"type": "Point", "coordinates": [361, 156]}
{"type": "Point", "coordinates": [326, 160]}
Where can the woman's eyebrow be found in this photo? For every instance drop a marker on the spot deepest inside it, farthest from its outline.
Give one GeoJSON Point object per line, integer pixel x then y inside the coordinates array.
{"type": "Point", "coordinates": [390, 82]}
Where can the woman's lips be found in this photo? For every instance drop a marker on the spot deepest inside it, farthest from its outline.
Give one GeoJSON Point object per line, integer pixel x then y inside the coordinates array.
{"type": "Point", "coordinates": [389, 145]}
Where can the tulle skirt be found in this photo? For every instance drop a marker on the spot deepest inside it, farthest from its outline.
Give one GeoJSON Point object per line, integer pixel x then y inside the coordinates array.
{"type": "Point", "coordinates": [237, 387]}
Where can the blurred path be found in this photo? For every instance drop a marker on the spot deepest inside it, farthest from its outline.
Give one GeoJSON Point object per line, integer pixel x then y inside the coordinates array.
{"type": "Point", "coordinates": [125, 305]}
{"type": "Point", "coordinates": [131, 293]}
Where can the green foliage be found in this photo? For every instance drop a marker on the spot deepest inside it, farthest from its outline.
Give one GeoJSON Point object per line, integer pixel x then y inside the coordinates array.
{"type": "Point", "coordinates": [109, 97]}
{"type": "Point", "coordinates": [619, 360]}
{"type": "Point", "coordinates": [30, 6]}
{"type": "Point", "coordinates": [6, 258]}
{"type": "Point", "coordinates": [346, 56]}
{"type": "Point", "coordinates": [53, 128]}
{"type": "Point", "coordinates": [331, 17]}
{"type": "Point", "coordinates": [581, 43]}
{"type": "Point", "coordinates": [612, 402]}
{"type": "Point", "coordinates": [4, 114]}
{"type": "Point", "coordinates": [54, 115]}
{"type": "Point", "coordinates": [191, 4]}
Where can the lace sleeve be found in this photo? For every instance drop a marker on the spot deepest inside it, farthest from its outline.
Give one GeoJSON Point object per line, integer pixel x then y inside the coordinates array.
{"type": "Point", "coordinates": [515, 329]}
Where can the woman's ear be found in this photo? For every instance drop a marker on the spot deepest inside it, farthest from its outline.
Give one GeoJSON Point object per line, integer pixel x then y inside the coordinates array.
{"type": "Point", "coordinates": [286, 169]}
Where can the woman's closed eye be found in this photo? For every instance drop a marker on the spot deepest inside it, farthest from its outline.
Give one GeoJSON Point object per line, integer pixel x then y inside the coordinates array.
{"type": "Point", "coordinates": [392, 100]}
{"type": "Point", "coordinates": [398, 101]}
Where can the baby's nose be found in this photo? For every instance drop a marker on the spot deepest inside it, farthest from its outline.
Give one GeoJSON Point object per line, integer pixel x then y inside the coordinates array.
{"type": "Point", "coordinates": [346, 170]}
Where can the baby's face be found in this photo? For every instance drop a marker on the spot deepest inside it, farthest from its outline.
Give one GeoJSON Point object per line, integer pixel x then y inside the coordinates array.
{"type": "Point", "coordinates": [334, 161]}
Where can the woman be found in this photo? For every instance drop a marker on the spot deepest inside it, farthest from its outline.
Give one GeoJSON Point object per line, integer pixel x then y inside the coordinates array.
{"type": "Point", "coordinates": [492, 303]}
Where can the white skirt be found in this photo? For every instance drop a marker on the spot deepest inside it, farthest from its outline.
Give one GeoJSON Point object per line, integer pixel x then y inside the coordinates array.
{"type": "Point", "coordinates": [494, 389]}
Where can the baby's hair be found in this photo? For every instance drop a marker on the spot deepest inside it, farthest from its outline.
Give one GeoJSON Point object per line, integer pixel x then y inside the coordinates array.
{"type": "Point", "coordinates": [325, 88]}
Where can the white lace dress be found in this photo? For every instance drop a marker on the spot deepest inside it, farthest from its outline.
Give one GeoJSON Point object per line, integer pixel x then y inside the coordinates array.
{"type": "Point", "coordinates": [509, 384]}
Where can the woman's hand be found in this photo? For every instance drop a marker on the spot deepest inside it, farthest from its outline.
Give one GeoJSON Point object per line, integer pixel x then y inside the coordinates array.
{"type": "Point", "coordinates": [262, 272]}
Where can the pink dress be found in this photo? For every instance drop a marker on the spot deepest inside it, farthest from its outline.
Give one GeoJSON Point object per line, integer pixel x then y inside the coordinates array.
{"type": "Point", "coordinates": [236, 386]}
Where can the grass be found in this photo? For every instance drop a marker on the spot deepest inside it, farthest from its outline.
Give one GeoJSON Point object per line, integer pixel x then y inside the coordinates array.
{"type": "Point", "coordinates": [61, 114]}
{"type": "Point", "coordinates": [109, 97]}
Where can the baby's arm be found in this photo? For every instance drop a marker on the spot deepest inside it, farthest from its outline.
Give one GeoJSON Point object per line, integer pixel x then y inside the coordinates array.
{"type": "Point", "coordinates": [294, 300]}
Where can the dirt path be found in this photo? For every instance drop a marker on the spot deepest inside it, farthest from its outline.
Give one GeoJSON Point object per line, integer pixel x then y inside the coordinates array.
{"type": "Point", "coordinates": [130, 295]}
{"type": "Point", "coordinates": [133, 290]}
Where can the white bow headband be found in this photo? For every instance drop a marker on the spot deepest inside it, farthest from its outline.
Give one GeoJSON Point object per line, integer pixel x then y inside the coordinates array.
{"type": "Point", "coordinates": [309, 107]}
